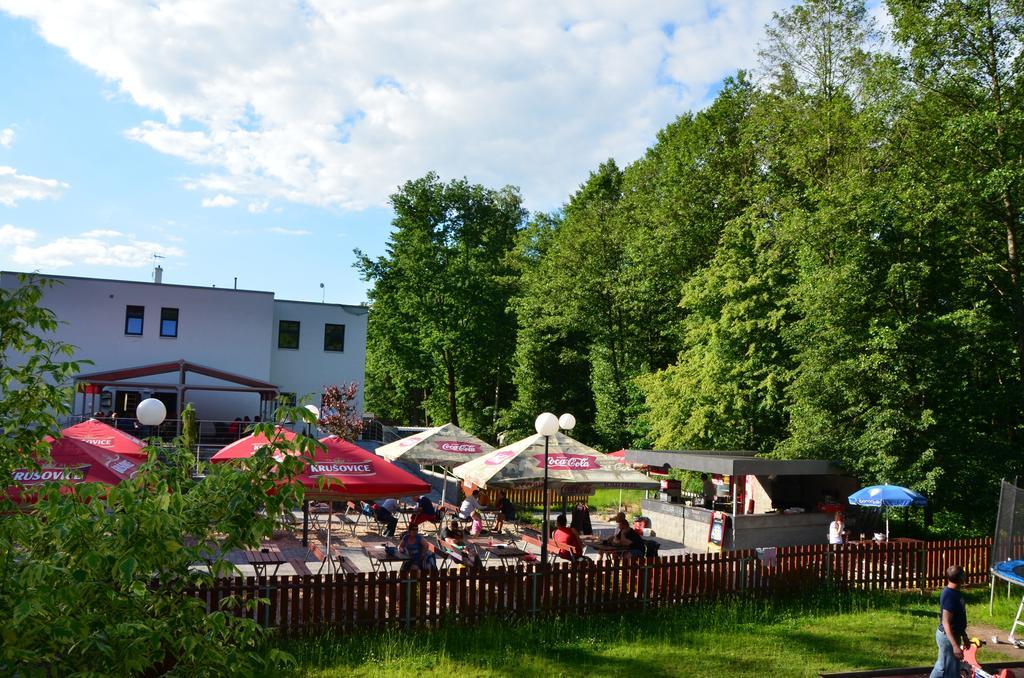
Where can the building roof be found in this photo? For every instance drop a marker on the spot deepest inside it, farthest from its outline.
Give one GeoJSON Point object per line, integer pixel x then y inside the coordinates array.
{"type": "Point", "coordinates": [355, 309]}
{"type": "Point", "coordinates": [733, 463]}
{"type": "Point", "coordinates": [146, 283]}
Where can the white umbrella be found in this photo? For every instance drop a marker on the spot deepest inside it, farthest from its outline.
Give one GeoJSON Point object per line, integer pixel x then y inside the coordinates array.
{"type": "Point", "coordinates": [445, 446]}
{"type": "Point", "coordinates": [570, 463]}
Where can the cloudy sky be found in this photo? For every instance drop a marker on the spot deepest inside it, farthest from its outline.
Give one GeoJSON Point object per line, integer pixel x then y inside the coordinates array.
{"type": "Point", "coordinates": [262, 139]}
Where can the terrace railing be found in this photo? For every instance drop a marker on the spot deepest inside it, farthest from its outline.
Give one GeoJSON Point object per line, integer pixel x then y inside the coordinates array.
{"type": "Point", "coordinates": [311, 603]}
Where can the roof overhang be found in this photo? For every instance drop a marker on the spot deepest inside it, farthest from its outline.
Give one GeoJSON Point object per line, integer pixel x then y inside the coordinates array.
{"type": "Point", "coordinates": [742, 463]}
{"type": "Point", "coordinates": [181, 367]}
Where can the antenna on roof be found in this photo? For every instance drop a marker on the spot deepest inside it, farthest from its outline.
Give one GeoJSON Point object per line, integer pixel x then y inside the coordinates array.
{"type": "Point", "coordinates": [158, 271]}
{"type": "Point", "coordinates": [323, 293]}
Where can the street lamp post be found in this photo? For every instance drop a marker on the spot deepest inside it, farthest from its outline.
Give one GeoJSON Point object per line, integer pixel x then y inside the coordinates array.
{"type": "Point", "coordinates": [151, 412]}
{"type": "Point", "coordinates": [547, 425]}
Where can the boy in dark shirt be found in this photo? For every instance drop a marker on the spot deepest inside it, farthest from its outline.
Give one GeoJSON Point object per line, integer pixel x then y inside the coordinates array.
{"type": "Point", "coordinates": [952, 631]}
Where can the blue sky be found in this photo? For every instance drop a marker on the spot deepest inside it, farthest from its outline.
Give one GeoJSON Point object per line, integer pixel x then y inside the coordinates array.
{"type": "Point", "coordinates": [118, 124]}
{"type": "Point", "coordinates": [69, 124]}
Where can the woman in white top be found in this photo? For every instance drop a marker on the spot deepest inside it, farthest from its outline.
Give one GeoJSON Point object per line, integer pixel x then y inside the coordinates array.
{"type": "Point", "coordinates": [836, 529]}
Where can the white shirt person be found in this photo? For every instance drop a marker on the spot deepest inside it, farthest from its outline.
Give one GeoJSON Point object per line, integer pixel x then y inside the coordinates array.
{"type": "Point", "coordinates": [836, 529]}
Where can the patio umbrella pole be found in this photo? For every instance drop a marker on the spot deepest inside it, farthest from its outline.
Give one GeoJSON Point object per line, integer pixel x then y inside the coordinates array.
{"type": "Point", "coordinates": [444, 484]}
{"type": "Point", "coordinates": [544, 528]}
{"type": "Point", "coordinates": [305, 522]}
{"type": "Point", "coordinates": [330, 516]}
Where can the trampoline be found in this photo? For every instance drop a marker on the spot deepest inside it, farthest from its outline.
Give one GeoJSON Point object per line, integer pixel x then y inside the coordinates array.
{"type": "Point", "coordinates": [1007, 556]}
{"type": "Point", "coordinates": [1011, 571]}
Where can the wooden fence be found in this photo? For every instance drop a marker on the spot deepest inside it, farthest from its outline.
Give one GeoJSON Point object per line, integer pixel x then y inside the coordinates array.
{"type": "Point", "coordinates": [299, 604]}
{"type": "Point", "coordinates": [532, 497]}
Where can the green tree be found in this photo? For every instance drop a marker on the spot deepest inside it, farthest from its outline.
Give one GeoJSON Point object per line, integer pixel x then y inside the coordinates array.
{"type": "Point", "coordinates": [95, 579]}
{"type": "Point", "coordinates": [441, 336]}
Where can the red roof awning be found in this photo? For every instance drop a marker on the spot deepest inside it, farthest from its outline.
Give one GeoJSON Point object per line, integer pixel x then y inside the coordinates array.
{"type": "Point", "coordinates": [111, 377]}
{"type": "Point", "coordinates": [107, 437]}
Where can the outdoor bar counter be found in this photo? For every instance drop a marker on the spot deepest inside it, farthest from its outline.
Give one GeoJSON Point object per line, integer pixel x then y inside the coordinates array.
{"type": "Point", "coordinates": [763, 502]}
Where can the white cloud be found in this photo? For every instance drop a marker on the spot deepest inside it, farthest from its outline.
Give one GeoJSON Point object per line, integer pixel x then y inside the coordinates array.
{"type": "Point", "coordinates": [15, 187]}
{"type": "Point", "coordinates": [12, 236]}
{"type": "Point", "coordinates": [219, 200]}
{"type": "Point", "coordinates": [258, 206]}
{"type": "Point", "coordinates": [337, 103]}
{"type": "Point", "coordinates": [96, 248]}
{"type": "Point", "coordinates": [6, 137]}
{"type": "Point", "coordinates": [289, 231]}
{"type": "Point", "coordinates": [103, 233]}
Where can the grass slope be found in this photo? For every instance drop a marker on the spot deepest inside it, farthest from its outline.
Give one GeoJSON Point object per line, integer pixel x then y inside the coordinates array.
{"type": "Point", "coordinates": [796, 637]}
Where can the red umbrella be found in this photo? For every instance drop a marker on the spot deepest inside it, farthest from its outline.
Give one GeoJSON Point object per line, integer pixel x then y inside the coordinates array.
{"type": "Point", "coordinates": [244, 448]}
{"type": "Point", "coordinates": [343, 470]}
{"type": "Point", "coordinates": [346, 470]}
{"type": "Point", "coordinates": [75, 461]}
{"type": "Point", "coordinates": [95, 432]}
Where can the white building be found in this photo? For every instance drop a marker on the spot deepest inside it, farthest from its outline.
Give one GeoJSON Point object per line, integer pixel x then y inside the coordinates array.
{"type": "Point", "coordinates": [228, 352]}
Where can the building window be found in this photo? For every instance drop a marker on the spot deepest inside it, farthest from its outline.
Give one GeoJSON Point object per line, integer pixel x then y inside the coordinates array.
{"type": "Point", "coordinates": [133, 320]}
{"type": "Point", "coordinates": [168, 322]}
{"type": "Point", "coordinates": [288, 334]}
{"type": "Point", "coordinates": [334, 337]}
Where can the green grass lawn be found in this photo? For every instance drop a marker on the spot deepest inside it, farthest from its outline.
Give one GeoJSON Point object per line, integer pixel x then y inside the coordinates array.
{"type": "Point", "coordinates": [608, 500]}
{"type": "Point", "coordinates": [796, 637]}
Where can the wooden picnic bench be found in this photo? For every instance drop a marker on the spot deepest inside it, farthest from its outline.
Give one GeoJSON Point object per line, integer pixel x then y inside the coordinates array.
{"type": "Point", "coordinates": [264, 557]}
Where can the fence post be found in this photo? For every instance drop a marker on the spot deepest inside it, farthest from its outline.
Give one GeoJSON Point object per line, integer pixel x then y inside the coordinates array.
{"type": "Point", "coordinates": [643, 569]}
{"type": "Point", "coordinates": [922, 560]}
{"type": "Point", "coordinates": [828, 567]}
{"type": "Point", "coordinates": [407, 602]}
{"type": "Point", "coordinates": [533, 592]}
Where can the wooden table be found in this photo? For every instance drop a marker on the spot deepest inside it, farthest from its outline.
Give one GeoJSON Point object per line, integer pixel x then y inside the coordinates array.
{"type": "Point", "coordinates": [264, 557]}
{"type": "Point", "coordinates": [336, 562]}
{"type": "Point", "coordinates": [609, 550]}
{"type": "Point", "coordinates": [380, 559]}
{"type": "Point", "coordinates": [489, 540]}
{"type": "Point", "coordinates": [504, 553]}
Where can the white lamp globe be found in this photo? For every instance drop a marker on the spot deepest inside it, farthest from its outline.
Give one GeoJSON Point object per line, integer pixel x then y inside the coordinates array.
{"type": "Point", "coordinates": [314, 409]}
{"type": "Point", "coordinates": [567, 421]}
{"type": "Point", "coordinates": [546, 424]}
{"type": "Point", "coordinates": [151, 412]}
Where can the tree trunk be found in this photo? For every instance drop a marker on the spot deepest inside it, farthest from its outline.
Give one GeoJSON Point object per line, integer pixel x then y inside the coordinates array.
{"type": "Point", "coordinates": [453, 410]}
{"type": "Point", "coordinates": [1009, 209]}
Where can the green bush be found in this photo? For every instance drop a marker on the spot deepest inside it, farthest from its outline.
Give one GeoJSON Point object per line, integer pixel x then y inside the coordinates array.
{"type": "Point", "coordinates": [94, 579]}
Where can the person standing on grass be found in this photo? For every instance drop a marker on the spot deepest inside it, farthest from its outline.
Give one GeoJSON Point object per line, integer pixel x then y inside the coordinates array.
{"type": "Point", "coordinates": [952, 631]}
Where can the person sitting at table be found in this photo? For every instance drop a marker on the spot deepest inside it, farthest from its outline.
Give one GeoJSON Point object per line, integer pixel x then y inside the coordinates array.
{"type": "Point", "coordinates": [567, 540]}
{"type": "Point", "coordinates": [470, 504]}
{"type": "Point", "coordinates": [387, 514]}
{"type": "Point", "coordinates": [476, 528]}
{"type": "Point", "coordinates": [453, 532]}
{"type": "Point", "coordinates": [424, 512]}
{"type": "Point", "coordinates": [506, 511]}
{"type": "Point", "coordinates": [415, 548]}
{"type": "Point", "coordinates": [455, 538]}
{"type": "Point", "coordinates": [626, 536]}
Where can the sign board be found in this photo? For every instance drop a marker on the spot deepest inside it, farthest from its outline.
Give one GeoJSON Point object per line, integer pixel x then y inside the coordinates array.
{"type": "Point", "coordinates": [716, 532]}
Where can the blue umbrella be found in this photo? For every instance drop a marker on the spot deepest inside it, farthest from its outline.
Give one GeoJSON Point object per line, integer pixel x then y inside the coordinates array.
{"type": "Point", "coordinates": [881, 496]}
